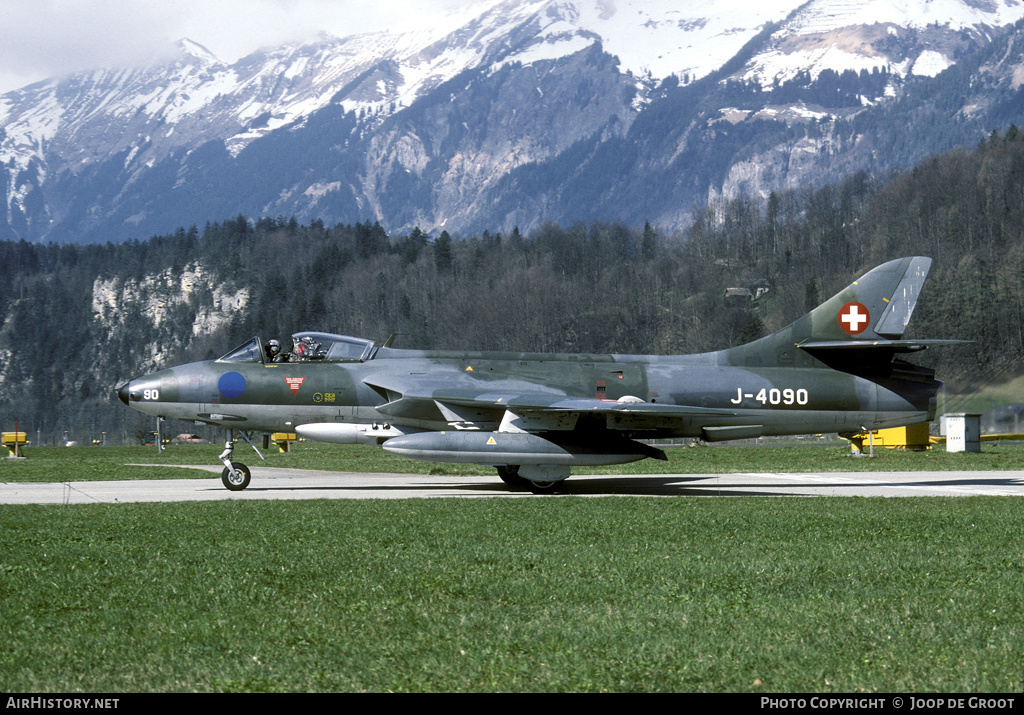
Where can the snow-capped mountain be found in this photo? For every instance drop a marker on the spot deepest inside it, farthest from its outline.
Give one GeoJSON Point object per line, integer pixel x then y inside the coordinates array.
{"type": "Point", "coordinates": [512, 113]}
{"type": "Point", "coordinates": [867, 34]}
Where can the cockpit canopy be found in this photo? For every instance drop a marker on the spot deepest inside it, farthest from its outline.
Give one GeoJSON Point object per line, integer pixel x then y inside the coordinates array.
{"type": "Point", "coordinates": [307, 346]}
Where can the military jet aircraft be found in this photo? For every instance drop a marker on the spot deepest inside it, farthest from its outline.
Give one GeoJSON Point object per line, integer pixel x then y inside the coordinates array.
{"type": "Point", "coordinates": [534, 416]}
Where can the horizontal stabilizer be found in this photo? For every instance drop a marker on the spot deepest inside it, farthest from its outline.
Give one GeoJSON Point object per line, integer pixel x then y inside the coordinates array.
{"type": "Point", "coordinates": [905, 346]}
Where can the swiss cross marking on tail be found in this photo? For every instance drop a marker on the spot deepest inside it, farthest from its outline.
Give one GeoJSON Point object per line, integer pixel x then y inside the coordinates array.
{"type": "Point", "coordinates": [854, 318]}
{"type": "Point", "coordinates": [295, 383]}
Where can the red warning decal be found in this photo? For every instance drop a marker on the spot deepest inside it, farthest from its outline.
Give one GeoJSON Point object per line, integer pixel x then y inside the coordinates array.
{"type": "Point", "coordinates": [295, 383]}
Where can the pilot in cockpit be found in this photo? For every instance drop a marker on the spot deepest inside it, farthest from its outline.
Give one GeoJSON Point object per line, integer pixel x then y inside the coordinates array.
{"type": "Point", "coordinates": [272, 348]}
{"type": "Point", "coordinates": [274, 354]}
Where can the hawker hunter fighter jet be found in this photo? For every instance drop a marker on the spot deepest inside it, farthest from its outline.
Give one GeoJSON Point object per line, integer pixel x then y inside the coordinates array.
{"type": "Point", "coordinates": [534, 416]}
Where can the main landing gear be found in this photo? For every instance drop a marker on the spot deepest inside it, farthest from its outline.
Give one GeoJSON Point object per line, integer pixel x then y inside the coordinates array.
{"type": "Point", "coordinates": [236, 475]}
{"type": "Point", "coordinates": [515, 475]}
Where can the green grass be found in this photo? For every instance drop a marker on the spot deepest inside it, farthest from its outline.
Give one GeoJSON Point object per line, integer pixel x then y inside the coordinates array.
{"type": "Point", "coordinates": [580, 594]}
{"type": "Point", "coordinates": [50, 464]}
{"type": "Point", "coordinates": [553, 594]}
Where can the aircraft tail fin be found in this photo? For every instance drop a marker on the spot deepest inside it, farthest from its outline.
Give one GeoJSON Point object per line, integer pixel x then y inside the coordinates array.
{"type": "Point", "coordinates": [872, 313]}
{"type": "Point", "coordinates": [877, 306]}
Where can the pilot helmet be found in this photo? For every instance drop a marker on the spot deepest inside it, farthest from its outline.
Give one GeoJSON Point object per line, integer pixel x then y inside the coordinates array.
{"type": "Point", "coordinates": [273, 347]}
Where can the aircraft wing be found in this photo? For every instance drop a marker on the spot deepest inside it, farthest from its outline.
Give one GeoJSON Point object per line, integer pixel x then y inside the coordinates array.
{"type": "Point", "coordinates": [529, 414]}
{"type": "Point", "coordinates": [545, 403]}
{"type": "Point", "coordinates": [482, 406]}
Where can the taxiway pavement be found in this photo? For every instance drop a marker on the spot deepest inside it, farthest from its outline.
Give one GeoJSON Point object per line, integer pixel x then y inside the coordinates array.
{"type": "Point", "coordinates": [282, 483]}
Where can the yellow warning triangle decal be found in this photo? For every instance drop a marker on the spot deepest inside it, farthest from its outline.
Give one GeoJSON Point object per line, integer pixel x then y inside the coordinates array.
{"type": "Point", "coordinates": [469, 368]}
{"type": "Point", "coordinates": [490, 440]}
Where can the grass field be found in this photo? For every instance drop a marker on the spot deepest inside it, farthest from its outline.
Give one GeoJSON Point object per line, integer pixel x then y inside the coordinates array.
{"type": "Point", "coordinates": [545, 594]}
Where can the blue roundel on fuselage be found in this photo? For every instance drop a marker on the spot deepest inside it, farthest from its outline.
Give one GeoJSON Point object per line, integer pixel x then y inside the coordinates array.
{"type": "Point", "coordinates": [231, 384]}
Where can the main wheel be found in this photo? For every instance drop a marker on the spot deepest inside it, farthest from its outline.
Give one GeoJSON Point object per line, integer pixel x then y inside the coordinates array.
{"type": "Point", "coordinates": [237, 478]}
{"type": "Point", "coordinates": [510, 475]}
{"type": "Point", "coordinates": [544, 487]}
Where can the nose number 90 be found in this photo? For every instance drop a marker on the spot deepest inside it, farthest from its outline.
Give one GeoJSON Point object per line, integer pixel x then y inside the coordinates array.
{"type": "Point", "coordinates": [151, 394]}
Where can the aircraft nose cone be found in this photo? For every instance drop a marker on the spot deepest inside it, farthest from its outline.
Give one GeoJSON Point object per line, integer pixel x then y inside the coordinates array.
{"type": "Point", "coordinates": [123, 392]}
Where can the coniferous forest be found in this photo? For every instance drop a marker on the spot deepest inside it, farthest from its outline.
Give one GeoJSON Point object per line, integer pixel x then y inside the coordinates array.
{"type": "Point", "coordinates": [77, 321]}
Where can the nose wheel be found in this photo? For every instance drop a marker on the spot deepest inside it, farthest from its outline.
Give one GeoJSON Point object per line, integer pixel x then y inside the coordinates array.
{"type": "Point", "coordinates": [236, 475]}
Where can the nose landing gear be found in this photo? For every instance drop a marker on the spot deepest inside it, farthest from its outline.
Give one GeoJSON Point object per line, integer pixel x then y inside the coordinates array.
{"type": "Point", "coordinates": [236, 475]}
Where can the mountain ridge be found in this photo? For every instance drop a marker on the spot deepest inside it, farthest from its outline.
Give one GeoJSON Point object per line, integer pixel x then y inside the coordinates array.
{"type": "Point", "coordinates": [476, 124]}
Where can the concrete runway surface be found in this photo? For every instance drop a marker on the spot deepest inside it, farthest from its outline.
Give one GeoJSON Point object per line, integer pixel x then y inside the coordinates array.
{"type": "Point", "coordinates": [282, 483]}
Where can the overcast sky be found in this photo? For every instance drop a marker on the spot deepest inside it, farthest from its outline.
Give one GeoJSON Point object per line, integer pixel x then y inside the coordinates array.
{"type": "Point", "coordinates": [45, 38]}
